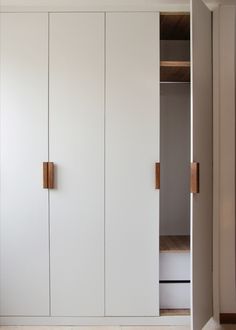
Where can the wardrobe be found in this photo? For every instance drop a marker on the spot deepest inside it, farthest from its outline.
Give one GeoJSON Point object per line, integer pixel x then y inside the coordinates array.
{"type": "Point", "coordinates": [106, 167]}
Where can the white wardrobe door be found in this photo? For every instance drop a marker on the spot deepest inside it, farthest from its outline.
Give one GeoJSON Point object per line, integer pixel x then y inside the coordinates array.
{"type": "Point", "coordinates": [132, 148]}
{"type": "Point", "coordinates": [24, 271]}
{"type": "Point", "coordinates": [201, 112]}
{"type": "Point", "coordinates": [77, 148]}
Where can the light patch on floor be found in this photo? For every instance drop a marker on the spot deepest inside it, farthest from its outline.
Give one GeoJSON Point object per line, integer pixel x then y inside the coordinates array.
{"type": "Point", "coordinates": [222, 327]}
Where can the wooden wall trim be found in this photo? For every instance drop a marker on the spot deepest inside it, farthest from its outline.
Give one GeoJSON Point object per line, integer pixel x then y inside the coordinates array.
{"type": "Point", "coordinates": [228, 318]}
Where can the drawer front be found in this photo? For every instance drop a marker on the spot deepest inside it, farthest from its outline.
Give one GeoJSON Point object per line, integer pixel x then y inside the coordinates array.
{"type": "Point", "coordinates": [174, 295]}
{"type": "Point", "coordinates": [175, 266]}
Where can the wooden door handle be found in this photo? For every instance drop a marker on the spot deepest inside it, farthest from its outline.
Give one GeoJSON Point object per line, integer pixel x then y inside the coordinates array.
{"type": "Point", "coordinates": [194, 179]}
{"type": "Point", "coordinates": [48, 175]}
{"type": "Point", "coordinates": [45, 175]}
{"type": "Point", "coordinates": [158, 176]}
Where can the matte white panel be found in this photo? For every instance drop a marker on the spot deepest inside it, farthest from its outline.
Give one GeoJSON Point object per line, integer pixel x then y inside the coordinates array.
{"type": "Point", "coordinates": [174, 295]}
{"type": "Point", "coordinates": [24, 270]}
{"type": "Point", "coordinates": [77, 148]}
{"type": "Point", "coordinates": [132, 148]}
{"type": "Point", "coordinates": [201, 152]}
{"type": "Point", "coordinates": [95, 5]}
{"type": "Point", "coordinates": [175, 266]}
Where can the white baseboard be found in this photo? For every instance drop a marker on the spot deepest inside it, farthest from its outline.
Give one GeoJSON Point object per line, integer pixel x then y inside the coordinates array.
{"type": "Point", "coordinates": [99, 321]}
{"type": "Point", "coordinates": [212, 325]}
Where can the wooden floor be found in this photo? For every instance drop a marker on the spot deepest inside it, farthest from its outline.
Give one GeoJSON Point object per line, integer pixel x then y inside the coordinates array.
{"type": "Point", "coordinates": [174, 312]}
{"type": "Point", "coordinates": [174, 243]}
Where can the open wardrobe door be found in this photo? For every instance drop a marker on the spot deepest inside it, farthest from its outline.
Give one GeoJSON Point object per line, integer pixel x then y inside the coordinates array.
{"type": "Point", "coordinates": [201, 157]}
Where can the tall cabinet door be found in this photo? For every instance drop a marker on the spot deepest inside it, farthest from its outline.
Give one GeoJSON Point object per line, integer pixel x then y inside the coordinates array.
{"type": "Point", "coordinates": [132, 148]}
{"type": "Point", "coordinates": [201, 112]}
{"type": "Point", "coordinates": [24, 257]}
{"type": "Point", "coordinates": [76, 146]}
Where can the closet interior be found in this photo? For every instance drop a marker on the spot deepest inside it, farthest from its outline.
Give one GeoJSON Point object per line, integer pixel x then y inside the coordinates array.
{"type": "Point", "coordinates": [175, 160]}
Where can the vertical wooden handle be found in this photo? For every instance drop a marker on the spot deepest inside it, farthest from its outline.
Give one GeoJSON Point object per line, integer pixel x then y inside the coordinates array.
{"type": "Point", "coordinates": [194, 182]}
{"type": "Point", "coordinates": [158, 177]}
{"type": "Point", "coordinates": [48, 175]}
{"type": "Point", "coordinates": [45, 175]}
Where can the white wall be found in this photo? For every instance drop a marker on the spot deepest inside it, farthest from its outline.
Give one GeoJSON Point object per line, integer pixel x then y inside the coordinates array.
{"type": "Point", "coordinates": [175, 158]}
{"type": "Point", "coordinates": [224, 160]}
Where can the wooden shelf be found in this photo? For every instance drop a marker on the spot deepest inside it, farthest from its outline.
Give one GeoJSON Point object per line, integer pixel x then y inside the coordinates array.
{"type": "Point", "coordinates": [175, 71]}
{"type": "Point", "coordinates": [174, 243]}
{"type": "Point", "coordinates": [175, 26]}
{"type": "Point", "coordinates": [174, 64]}
{"type": "Point", "coordinates": [172, 312]}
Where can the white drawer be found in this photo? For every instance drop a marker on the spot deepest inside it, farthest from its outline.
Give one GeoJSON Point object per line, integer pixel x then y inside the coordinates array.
{"type": "Point", "coordinates": [174, 295]}
{"type": "Point", "coordinates": [174, 266]}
